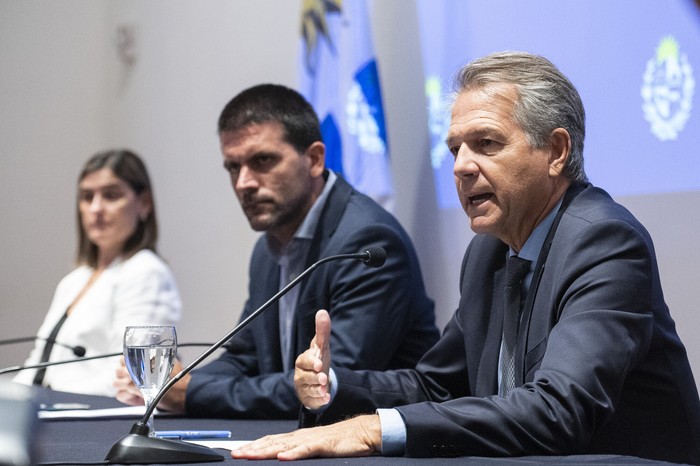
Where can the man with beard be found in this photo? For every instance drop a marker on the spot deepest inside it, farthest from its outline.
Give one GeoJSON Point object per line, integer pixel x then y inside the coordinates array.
{"type": "Point", "coordinates": [382, 319]}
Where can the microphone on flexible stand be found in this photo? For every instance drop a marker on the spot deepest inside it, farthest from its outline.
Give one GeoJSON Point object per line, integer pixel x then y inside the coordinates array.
{"type": "Point", "coordinates": [138, 448]}
{"type": "Point", "coordinates": [41, 365]}
{"type": "Point", "coordinates": [77, 350]}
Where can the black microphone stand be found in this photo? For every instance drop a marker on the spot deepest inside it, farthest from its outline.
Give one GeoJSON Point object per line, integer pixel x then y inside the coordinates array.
{"type": "Point", "coordinates": [42, 365]}
{"type": "Point", "coordinates": [12, 341]}
{"type": "Point", "coordinates": [139, 448]}
{"type": "Point", "coordinates": [77, 350]}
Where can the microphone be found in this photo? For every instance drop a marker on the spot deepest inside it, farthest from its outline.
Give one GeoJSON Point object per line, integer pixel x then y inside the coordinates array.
{"type": "Point", "coordinates": [77, 350]}
{"type": "Point", "coordinates": [40, 365]}
{"type": "Point", "coordinates": [138, 448]}
{"type": "Point", "coordinates": [374, 256]}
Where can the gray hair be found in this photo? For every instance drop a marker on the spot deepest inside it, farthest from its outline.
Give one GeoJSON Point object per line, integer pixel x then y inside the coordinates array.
{"type": "Point", "coordinates": [546, 99]}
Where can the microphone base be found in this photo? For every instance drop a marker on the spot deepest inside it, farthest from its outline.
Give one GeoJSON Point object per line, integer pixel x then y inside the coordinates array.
{"type": "Point", "coordinates": [138, 448]}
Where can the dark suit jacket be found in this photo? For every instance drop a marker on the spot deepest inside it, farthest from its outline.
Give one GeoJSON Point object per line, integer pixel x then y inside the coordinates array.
{"type": "Point", "coordinates": [381, 317]}
{"type": "Point", "coordinates": [599, 363]}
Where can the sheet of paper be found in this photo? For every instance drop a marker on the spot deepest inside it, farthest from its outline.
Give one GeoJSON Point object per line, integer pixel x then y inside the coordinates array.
{"type": "Point", "coordinates": [121, 412]}
{"type": "Point", "coordinates": [223, 444]}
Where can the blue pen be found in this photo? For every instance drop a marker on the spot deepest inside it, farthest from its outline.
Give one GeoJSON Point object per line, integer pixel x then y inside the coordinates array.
{"type": "Point", "coordinates": [193, 434]}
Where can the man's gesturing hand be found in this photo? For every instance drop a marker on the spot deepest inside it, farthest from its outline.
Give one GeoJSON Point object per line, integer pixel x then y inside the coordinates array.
{"type": "Point", "coordinates": [312, 366]}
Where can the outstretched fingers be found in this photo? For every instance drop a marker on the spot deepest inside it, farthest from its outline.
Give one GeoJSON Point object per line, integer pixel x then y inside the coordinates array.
{"type": "Point", "coordinates": [359, 436]}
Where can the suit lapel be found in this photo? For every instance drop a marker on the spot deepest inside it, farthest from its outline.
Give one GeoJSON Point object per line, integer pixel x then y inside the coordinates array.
{"type": "Point", "coordinates": [267, 341]}
{"type": "Point", "coordinates": [330, 217]}
{"type": "Point", "coordinates": [532, 337]}
{"type": "Point", "coordinates": [487, 375]}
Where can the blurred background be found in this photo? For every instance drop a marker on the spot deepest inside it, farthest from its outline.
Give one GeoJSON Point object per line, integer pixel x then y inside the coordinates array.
{"type": "Point", "coordinates": [79, 76]}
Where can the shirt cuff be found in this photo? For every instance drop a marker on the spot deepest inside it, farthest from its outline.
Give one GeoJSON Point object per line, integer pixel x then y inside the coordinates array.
{"type": "Point", "coordinates": [333, 381]}
{"type": "Point", "coordinates": [393, 432]}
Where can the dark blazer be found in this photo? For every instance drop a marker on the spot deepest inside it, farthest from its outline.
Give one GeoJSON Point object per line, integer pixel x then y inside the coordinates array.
{"type": "Point", "coordinates": [599, 363]}
{"type": "Point", "coordinates": [381, 317]}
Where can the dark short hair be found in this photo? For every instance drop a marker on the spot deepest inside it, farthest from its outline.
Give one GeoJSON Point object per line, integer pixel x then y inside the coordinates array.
{"type": "Point", "coordinates": [128, 167]}
{"type": "Point", "coordinates": [273, 103]}
{"type": "Point", "coordinates": [546, 99]}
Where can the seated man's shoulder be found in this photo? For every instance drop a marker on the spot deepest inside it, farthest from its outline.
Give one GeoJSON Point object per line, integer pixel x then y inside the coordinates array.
{"type": "Point", "coordinates": [364, 210]}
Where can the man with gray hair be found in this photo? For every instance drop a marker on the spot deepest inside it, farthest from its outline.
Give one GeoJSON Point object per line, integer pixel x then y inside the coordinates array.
{"type": "Point", "coordinates": [577, 354]}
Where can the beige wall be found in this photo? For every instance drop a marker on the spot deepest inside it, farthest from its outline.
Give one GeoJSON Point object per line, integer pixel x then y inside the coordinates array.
{"type": "Point", "coordinates": [64, 94]}
{"type": "Point", "coordinates": [52, 70]}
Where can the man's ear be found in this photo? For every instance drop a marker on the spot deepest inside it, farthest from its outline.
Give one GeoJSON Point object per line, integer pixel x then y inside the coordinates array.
{"type": "Point", "coordinates": [560, 147]}
{"type": "Point", "coordinates": [316, 153]}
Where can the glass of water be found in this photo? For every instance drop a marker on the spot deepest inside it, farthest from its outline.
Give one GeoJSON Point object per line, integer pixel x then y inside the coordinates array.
{"type": "Point", "coordinates": [149, 354]}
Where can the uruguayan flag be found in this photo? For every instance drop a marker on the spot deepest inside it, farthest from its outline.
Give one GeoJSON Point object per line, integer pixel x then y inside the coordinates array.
{"type": "Point", "coordinates": [339, 77]}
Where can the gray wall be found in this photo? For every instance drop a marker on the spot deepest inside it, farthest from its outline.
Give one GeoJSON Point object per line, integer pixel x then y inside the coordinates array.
{"type": "Point", "coordinates": [65, 94]}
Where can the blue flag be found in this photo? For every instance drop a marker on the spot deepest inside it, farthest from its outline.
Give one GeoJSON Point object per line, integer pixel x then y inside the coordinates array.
{"type": "Point", "coordinates": [339, 77]}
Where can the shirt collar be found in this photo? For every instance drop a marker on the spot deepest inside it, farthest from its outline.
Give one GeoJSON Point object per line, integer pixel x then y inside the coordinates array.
{"type": "Point", "coordinates": [308, 226]}
{"type": "Point", "coordinates": [306, 230]}
{"type": "Point", "coordinates": [533, 245]}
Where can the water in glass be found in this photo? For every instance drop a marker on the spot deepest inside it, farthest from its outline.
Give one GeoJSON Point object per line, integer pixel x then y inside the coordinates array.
{"type": "Point", "coordinates": [149, 354]}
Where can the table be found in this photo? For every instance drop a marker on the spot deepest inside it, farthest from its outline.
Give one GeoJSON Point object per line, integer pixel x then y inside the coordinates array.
{"type": "Point", "coordinates": [87, 441]}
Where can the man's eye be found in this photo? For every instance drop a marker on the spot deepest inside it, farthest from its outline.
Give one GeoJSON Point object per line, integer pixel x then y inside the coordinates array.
{"type": "Point", "coordinates": [232, 168]}
{"type": "Point", "coordinates": [489, 146]}
{"type": "Point", "coordinates": [263, 163]}
{"type": "Point", "coordinates": [85, 197]}
{"type": "Point", "coordinates": [263, 160]}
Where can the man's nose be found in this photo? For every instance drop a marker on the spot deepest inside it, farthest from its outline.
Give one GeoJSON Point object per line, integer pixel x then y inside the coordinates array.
{"type": "Point", "coordinates": [245, 180]}
{"type": "Point", "coordinates": [465, 163]}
